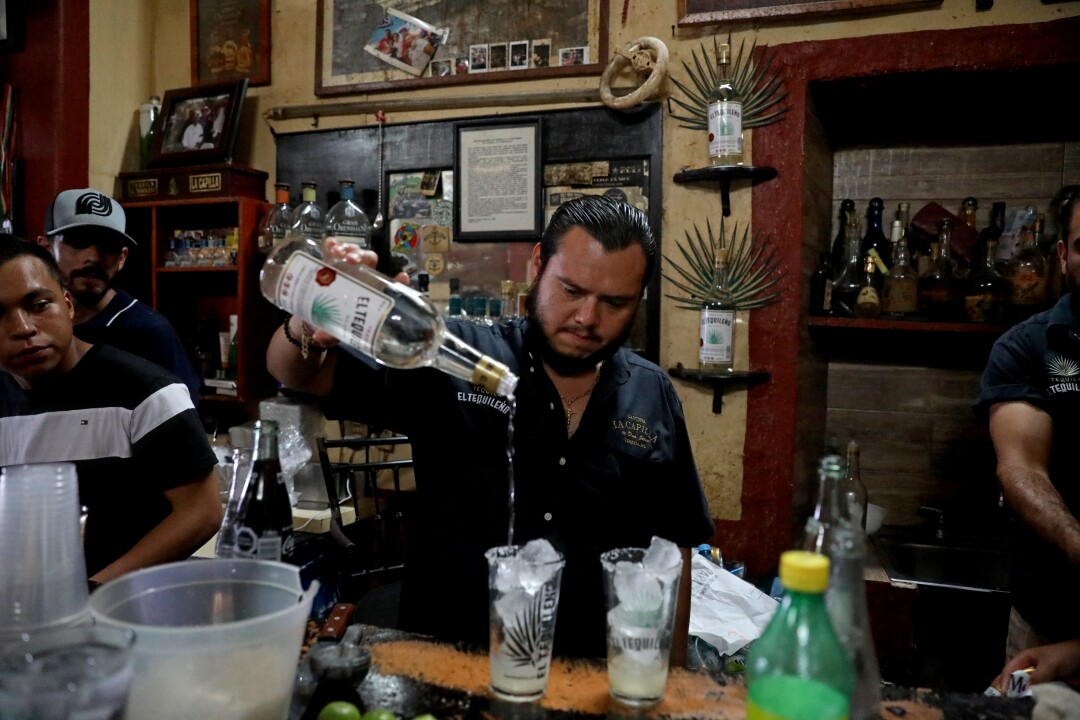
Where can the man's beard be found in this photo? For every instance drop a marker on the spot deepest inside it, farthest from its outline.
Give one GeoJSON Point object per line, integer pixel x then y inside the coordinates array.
{"type": "Point", "coordinates": [88, 297]}
{"type": "Point", "coordinates": [560, 363]}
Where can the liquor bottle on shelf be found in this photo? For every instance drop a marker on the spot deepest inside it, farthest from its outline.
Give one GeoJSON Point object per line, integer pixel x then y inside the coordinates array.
{"type": "Point", "coordinates": [868, 301]}
{"type": "Point", "coordinates": [307, 219]}
{"type": "Point", "coordinates": [821, 287]}
{"type": "Point", "coordinates": [725, 115]}
{"type": "Point", "coordinates": [263, 520]}
{"type": "Point", "coordinates": [900, 289]}
{"type": "Point", "coordinates": [455, 307]}
{"type": "Point", "coordinates": [968, 209]}
{"type": "Point", "coordinates": [716, 348]}
{"type": "Point", "coordinates": [1028, 278]}
{"type": "Point", "coordinates": [849, 278]}
{"type": "Point", "coordinates": [987, 290]}
{"type": "Point", "coordinates": [277, 220]}
{"type": "Point", "coordinates": [346, 221]}
{"type": "Point", "coordinates": [372, 315]}
{"type": "Point", "coordinates": [509, 299]}
{"type": "Point", "coordinates": [934, 287]}
{"type": "Point", "coordinates": [839, 246]}
{"type": "Point", "coordinates": [874, 242]}
{"type": "Point", "coordinates": [798, 667]}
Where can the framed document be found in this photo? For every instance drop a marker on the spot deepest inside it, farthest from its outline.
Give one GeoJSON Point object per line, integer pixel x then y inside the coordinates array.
{"type": "Point", "coordinates": [497, 180]}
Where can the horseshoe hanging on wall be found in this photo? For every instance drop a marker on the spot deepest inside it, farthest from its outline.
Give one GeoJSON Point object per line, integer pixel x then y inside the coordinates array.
{"type": "Point", "coordinates": [649, 57]}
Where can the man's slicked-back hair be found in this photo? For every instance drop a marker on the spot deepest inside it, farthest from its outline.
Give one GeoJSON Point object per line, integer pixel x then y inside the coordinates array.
{"type": "Point", "coordinates": [12, 248]}
{"type": "Point", "coordinates": [616, 225]}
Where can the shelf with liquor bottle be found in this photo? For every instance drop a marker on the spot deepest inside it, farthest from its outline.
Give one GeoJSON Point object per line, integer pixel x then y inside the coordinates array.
{"type": "Point", "coordinates": [204, 263]}
{"type": "Point", "coordinates": [719, 380]}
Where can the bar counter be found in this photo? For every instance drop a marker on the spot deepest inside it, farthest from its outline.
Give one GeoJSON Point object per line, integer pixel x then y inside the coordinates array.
{"type": "Point", "coordinates": [411, 675]}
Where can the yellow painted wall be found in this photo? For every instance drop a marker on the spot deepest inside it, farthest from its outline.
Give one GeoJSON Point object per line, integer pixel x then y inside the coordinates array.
{"type": "Point", "coordinates": [142, 47]}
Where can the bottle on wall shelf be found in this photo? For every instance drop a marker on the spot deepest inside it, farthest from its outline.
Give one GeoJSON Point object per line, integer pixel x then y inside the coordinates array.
{"type": "Point", "coordinates": [308, 218]}
{"type": "Point", "coordinates": [346, 221]}
{"type": "Point", "coordinates": [821, 287]}
{"type": "Point", "coordinates": [372, 315]}
{"type": "Point", "coordinates": [969, 206]}
{"type": "Point", "coordinates": [934, 287]}
{"type": "Point", "coordinates": [508, 293]}
{"type": "Point", "coordinates": [987, 291]}
{"type": "Point", "coordinates": [900, 288]}
{"type": "Point", "coordinates": [798, 667]}
{"type": "Point", "coordinates": [716, 352]}
{"type": "Point", "coordinates": [1028, 277]}
{"type": "Point", "coordinates": [849, 277]}
{"type": "Point", "coordinates": [868, 301]}
{"type": "Point", "coordinates": [874, 243]}
{"type": "Point", "coordinates": [455, 307]}
{"type": "Point", "coordinates": [725, 115]}
{"type": "Point", "coordinates": [148, 116]}
{"type": "Point", "coordinates": [839, 245]}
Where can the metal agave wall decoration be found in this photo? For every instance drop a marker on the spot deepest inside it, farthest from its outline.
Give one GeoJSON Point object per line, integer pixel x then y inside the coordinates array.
{"type": "Point", "coordinates": [753, 270]}
{"type": "Point", "coordinates": [758, 87]}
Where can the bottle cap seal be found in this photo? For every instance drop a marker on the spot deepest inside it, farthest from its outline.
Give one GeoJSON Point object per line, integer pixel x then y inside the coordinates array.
{"type": "Point", "coordinates": [803, 571]}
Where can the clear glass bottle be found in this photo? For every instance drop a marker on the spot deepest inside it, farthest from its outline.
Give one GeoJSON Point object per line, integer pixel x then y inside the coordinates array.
{"type": "Point", "coordinates": [346, 221]}
{"type": "Point", "coordinates": [830, 509]}
{"type": "Point", "coordinates": [149, 112]}
{"type": "Point", "coordinates": [278, 220]}
{"type": "Point", "coordinates": [716, 348]}
{"type": "Point", "coordinates": [373, 315]}
{"type": "Point", "coordinates": [508, 293]}
{"type": "Point", "coordinates": [725, 115]}
{"type": "Point", "coordinates": [874, 243]}
{"type": "Point", "coordinates": [455, 307]}
{"type": "Point", "coordinates": [853, 489]}
{"type": "Point", "coordinates": [900, 289]}
{"type": "Point", "coordinates": [849, 278]}
{"type": "Point", "coordinates": [308, 218]}
{"type": "Point", "coordinates": [798, 668]}
{"type": "Point", "coordinates": [264, 515]}
{"type": "Point", "coordinates": [868, 301]}
{"type": "Point", "coordinates": [1028, 278]}
{"type": "Point", "coordinates": [987, 291]}
{"type": "Point", "coordinates": [839, 245]}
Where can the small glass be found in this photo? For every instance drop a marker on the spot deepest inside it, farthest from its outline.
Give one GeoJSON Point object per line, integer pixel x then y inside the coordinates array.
{"type": "Point", "coordinates": [76, 672]}
{"type": "Point", "coordinates": [640, 620]}
{"type": "Point", "coordinates": [524, 600]}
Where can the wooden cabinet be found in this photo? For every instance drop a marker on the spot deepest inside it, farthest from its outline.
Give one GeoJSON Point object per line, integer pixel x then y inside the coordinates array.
{"type": "Point", "coordinates": [199, 299]}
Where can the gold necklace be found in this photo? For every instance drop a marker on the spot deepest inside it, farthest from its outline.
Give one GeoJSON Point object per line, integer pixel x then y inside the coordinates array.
{"type": "Point", "coordinates": [568, 403]}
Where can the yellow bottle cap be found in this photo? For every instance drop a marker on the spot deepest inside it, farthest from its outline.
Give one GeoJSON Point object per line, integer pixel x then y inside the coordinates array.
{"type": "Point", "coordinates": [803, 571]}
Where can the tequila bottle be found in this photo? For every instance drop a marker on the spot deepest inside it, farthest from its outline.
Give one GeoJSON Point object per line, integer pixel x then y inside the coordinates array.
{"type": "Point", "coordinates": [346, 221]}
{"type": "Point", "coordinates": [308, 219]}
{"type": "Point", "coordinates": [716, 346]}
{"type": "Point", "coordinates": [725, 116]}
{"type": "Point", "coordinates": [1028, 277]}
{"type": "Point", "coordinates": [900, 289]}
{"type": "Point", "coordinates": [874, 242]}
{"type": "Point", "coordinates": [868, 301]}
{"type": "Point", "coordinates": [849, 279]}
{"type": "Point", "coordinates": [277, 221]}
{"type": "Point", "coordinates": [373, 315]}
{"type": "Point", "coordinates": [839, 246]}
{"type": "Point", "coordinates": [987, 291]}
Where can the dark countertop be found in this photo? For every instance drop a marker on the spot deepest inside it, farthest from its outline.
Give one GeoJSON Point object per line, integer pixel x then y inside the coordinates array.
{"type": "Point", "coordinates": [411, 675]}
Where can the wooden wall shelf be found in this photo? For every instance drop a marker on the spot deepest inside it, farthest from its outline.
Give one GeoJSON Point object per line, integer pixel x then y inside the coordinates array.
{"type": "Point", "coordinates": [719, 381]}
{"type": "Point", "coordinates": [908, 325]}
{"type": "Point", "coordinates": [724, 174]}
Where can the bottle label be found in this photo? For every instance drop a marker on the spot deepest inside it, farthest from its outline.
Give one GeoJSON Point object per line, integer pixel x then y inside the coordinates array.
{"type": "Point", "coordinates": [716, 340]}
{"type": "Point", "coordinates": [725, 128]}
{"type": "Point", "coordinates": [826, 303]}
{"type": "Point", "coordinates": [900, 295]}
{"type": "Point", "coordinates": [1029, 288]}
{"type": "Point", "coordinates": [333, 300]}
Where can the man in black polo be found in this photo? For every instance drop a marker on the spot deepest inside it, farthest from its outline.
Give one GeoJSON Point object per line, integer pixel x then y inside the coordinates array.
{"type": "Point", "coordinates": [602, 458]}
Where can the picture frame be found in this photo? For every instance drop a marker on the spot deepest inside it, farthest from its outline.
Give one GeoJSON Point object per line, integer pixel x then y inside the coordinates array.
{"type": "Point", "coordinates": [498, 180]}
{"type": "Point", "coordinates": [198, 124]}
{"type": "Point", "coordinates": [342, 67]}
{"type": "Point", "coordinates": [710, 12]}
{"type": "Point", "coordinates": [230, 40]}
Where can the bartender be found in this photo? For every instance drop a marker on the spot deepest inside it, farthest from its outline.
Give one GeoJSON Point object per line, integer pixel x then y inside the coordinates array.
{"type": "Point", "coordinates": [602, 457]}
{"type": "Point", "coordinates": [1030, 392]}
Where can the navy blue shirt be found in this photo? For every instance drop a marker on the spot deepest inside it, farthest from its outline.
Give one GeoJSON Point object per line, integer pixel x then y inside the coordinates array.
{"type": "Point", "coordinates": [625, 475]}
{"type": "Point", "coordinates": [137, 328]}
{"type": "Point", "coordinates": [1038, 362]}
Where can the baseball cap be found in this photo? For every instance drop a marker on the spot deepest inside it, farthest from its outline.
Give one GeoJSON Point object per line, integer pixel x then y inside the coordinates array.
{"type": "Point", "coordinates": [86, 208]}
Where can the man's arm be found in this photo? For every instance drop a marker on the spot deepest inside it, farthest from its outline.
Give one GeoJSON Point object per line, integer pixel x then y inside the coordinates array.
{"type": "Point", "coordinates": [1022, 436]}
{"type": "Point", "coordinates": [195, 517]}
{"type": "Point", "coordinates": [286, 362]}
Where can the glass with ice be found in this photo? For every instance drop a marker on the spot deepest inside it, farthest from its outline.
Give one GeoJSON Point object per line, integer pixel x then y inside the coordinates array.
{"type": "Point", "coordinates": [70, 673]}
{"type": "Point", "coordinates": [641, 586]}
{"type": "Point", "coordinates": [524, 589]}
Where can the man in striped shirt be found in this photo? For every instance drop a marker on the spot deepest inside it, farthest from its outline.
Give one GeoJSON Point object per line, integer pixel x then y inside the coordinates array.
{"type": "Point", "coordinates": [145, 468]}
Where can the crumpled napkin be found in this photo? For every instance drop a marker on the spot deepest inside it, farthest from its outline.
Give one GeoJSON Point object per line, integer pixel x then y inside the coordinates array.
{"type": "Point", "coordinates": [1055, 701]}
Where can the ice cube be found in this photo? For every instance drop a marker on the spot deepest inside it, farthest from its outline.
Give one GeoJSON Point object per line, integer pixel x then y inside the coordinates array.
{"type": "Point", "coordinates": [508, 574]}
{"type": "Point", "coordinates": [639, 591]}
{"type": "Point", "coordinates": [539, 551]}
{"type": "Point", "coordinates": [662, 557]}
{"type": "Point", "coordinates": [514, 607]}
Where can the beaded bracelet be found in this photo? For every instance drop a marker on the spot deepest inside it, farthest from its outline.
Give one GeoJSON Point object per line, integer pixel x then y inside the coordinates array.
{"type": "Point", "coordinates": [304, 343]}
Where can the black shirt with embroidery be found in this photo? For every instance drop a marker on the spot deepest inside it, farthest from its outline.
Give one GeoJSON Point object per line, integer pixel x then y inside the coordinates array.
{"type": "Point", "coordinates": [1038, 362]}
{"type": "Point", "coordinates": [625, 475]}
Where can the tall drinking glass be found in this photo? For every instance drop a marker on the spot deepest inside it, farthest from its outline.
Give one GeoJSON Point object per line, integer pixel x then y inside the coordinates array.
{"type": "Point", "coordinates": [641, 587]}
{"type": "Point", "coordinates": [524, 591]}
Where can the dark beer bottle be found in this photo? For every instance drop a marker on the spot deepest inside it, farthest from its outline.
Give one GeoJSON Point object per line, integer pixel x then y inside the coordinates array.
{"type": "Point", "coordinates": [264, 517]}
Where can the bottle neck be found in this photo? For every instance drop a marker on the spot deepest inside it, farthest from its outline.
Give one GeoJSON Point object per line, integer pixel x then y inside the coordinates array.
{"type": "Point", "coordinates": [309, 195]}
{"type": "Point", "coordinates": [347, 192]}
{"type": "Point", "coordinates": [281, 196]}
{"type": "Point", "coordinates": [457, 358]}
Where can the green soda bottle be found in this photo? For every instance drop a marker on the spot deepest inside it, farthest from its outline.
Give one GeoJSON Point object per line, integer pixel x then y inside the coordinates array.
{"type": "Point", "coordinates": [797, 669]}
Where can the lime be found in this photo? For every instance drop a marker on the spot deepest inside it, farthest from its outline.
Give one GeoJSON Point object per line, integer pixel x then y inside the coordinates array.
{"type": "Point", "coordinates": [339, 710]}
{"type": "Point", "coordinates": [425, 716]}
{"type": "Point", "coordinates": [380, 714]}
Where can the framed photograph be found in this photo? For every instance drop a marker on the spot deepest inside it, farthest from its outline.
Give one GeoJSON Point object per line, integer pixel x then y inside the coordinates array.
{"type": "Point", "coordinates": [441, 68]}
{"type": "Point", "coordinates": [405, 42]}
{"type": "Point", "coordinates": [573, 56]}
{"type": "Point", "coordinates": [198, 124]}
{"type": "Point", "coordinates": [497, 180]}
{"type": "Point", "coordinates": [541, 53]}
{"type": "Point", "coordinates": [230, 40]}
{"type": "Point", "coordinates": [711, 12]}
{"type": "Point", "coordinates": [344, 28]}
{"type": "Point", "coordinates": [519, 55]}
{"type": "Point", "coordinates": [496, 57]}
